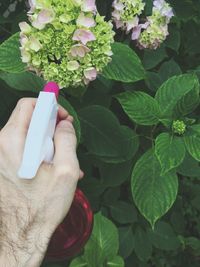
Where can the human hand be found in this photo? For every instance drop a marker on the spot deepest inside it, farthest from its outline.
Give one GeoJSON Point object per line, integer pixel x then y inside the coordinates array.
{"type": "Point", "coordinates": [30, 210]}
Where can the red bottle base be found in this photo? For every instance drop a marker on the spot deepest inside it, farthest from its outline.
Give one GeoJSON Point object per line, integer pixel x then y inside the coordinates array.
{"type": "Point", "coordinates": [72, 234]}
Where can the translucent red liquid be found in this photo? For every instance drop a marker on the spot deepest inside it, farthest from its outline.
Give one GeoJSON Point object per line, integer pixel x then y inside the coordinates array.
{"type": "Point", "coordinates": [72, 234]}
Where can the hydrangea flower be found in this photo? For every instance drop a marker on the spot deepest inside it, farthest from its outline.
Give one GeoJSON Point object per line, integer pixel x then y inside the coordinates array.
{"type": "Point", "coordinates": [126, 12]}
{"type": "Point", "coordinates": [67, 41]}
{"type": "Point", "coordinates": [156, 26]}
{"type": "Point", "coordinates": [179, 127]}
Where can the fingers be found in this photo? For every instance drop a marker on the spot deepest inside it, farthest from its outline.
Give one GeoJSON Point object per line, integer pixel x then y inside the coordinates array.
{"type": "Point", "coordinates": [21, 115]}
{"type": "Point", "coordinates": [65, 159]}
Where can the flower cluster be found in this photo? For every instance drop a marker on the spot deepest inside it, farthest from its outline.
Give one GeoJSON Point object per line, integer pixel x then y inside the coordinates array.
{"type": "Point", "coordinates": [126, 13]}
{"type": "Point", "coordinates": [67, 42]}
{"type": "Point", "coordinates": [153, 31]}
{"type": "Point", "coordinates": [179, 127]}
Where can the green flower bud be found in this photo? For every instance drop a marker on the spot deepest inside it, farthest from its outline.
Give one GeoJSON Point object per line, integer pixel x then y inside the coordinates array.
{"type": "Point", "coordinates": [179, 127]}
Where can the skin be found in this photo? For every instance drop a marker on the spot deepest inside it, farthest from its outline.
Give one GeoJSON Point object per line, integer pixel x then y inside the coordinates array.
{"type": "Point", "coordinates": [31, 210]}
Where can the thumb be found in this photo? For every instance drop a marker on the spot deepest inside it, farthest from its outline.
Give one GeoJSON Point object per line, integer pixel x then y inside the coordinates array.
{"type": "Point", "coordinates": [65, 143]}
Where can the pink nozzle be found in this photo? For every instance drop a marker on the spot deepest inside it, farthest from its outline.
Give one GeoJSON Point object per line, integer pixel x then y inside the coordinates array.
{"type": "Point", "coordinates": [52, 87]}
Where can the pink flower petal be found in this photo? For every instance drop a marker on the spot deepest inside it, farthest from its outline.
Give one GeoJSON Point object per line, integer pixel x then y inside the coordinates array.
{"type": "Point", "coordinates": [136, 32]}
{"type": "Point", "coordinates": [83, 36]}
{"type": "Point", "coordinates": [132, 23]}
{"type": "Point", "coordinates": [46, 16]}
{"type": "Point", "coordinates": [79, 50]}
{"type": "Point", "coordinates": [23, 39]}
{"type": "Point", "coordinates": [90, 74]}
{"type": "Point", "coordinates": [118, 6]}
{"type": "Point", "coordinates": [85, 21]}
{"type": "Point", "coordinates": [89, 6]}
{"type": "Point", "coordinates": [119, 24]}
{"type": "Point", "coordinates": [73, 65]}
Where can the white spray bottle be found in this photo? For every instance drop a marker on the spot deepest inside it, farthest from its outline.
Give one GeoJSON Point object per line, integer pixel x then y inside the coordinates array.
{"type": "Point", "coordinates": [39, 146]}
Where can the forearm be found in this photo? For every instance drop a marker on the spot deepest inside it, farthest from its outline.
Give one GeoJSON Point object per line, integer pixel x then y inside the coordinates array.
{"type": "Point", "coordinates": [24, 237]}
{"type": "Point", "coordinates": [28, 252]}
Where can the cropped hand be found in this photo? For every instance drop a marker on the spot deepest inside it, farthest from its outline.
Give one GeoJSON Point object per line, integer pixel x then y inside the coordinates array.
{"type": "Point", "coordinates": [30, 210]}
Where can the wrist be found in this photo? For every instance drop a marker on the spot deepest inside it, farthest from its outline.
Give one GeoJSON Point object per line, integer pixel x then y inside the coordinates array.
{"type": "Point", "coordinates": [28, 250]}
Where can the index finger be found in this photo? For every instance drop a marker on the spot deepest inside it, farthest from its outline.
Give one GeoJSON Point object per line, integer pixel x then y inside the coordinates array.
{"type": "Point", "coordinates": [22, 114]}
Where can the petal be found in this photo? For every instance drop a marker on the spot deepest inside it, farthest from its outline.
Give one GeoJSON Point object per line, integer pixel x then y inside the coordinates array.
{"type": "Point", "coordinates": [85, 21]}
{"type": "Point", "coordinates": [90, 74]}
{"type": "Point", "coordinates": [84, 36]}
{"type": "Point", "coordinates": [88, 6]}
{"type": "Point", "coordinates": [79, 50]}
{"type": "Point", "coordinates": [132, 23]}
{"type": "Point", "coordinates": [26, 56]}
{"type": "Point", "coordinates": [35, 44]}
{"type": "Point", "coordinates": [72, 65]}
{"type": "Point", "coordinates": [136, 32]}
{"type": "Point", "coordinates": [118, 6]}
{"type": "Point", "coordinates": [46, 16]}
{"type": "Point", "coordinates": [25, 27]}
{"type": "Point", "coordinates": [23, 39]}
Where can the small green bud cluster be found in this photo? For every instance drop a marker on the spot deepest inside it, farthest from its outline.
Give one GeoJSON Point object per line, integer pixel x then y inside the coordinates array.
{"type": "Point", "coordinates": [179, 127]}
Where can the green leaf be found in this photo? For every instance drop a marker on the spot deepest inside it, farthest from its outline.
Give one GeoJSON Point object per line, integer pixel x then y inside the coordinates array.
{"type": "Point", "coordinates": [169, 69]}
{"type": "Point", "coordinates": [105, 137]}
{"type": "Point", "coordinates": [189, 167]}
{"type": "Point", "coordinates": [140, 107]}
{"type": "Point", "coordinates": [194, 244]}
{"type": "Point", "coordinates": [126, 241]}
{"type": "Point", "coordinates": [170, 151]}
{"type": "Point", "coordinates": [115, 174]}
{"type": "Point", "coordinates": [125, 65]}
{"type": "Point", "coordinates": [115, 262]}
{"type": "Point", "coordinates": [153, 57]}
{"type": "Point", "coordinates": [153, 194]}
{"type": "Point", "coordinates": [63, 102]}
{"type": "Point", "coordinates": [153, 81]}
{"type": "Point", "coordinates": [192, 141]}
{"type": "Point", "coordinates": [25, 81]}
{"type": "Point", "coordinates": [10, 56]}
{"type": "Point", "coordinates": [103, 243]}
{"type": "Point", "coordinates": [189, 102]}
{"type": "Point", "coordinates": [163, 237]}
{"type": "Point", "coordinates": [174, 39]}
{"type": "Point", "coordinates": [142, 245]}
{"type": "Point", "coordinates": [78, 262]}
{"type": "Point", "coordinates": [173, 91]}
{"type": "Point", "coordinates": [123, 212]}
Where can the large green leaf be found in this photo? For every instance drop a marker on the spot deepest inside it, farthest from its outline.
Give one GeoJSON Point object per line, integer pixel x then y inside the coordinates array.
{"type": "Point", "coordinates": [153, 194]}
{"type": "Point", "coordinates": [115, 174]}
{"type": "Point", "coordinates": [189, 167]}
{"type": "Point", "coordinates": [123, 212]}
{"type": "Point", "coordinates": [115, 262]}
{"type": "Point", "coordinates": [125, 65]}
{"type": "Point", "coordinates": [10, 57]}
{"type": "Point", "coordinates": [24, 81]}
{"type": "Point", "coordinates": [104, 242]}
{"type": "Point", "coordinates": [153, 57]}
{"type": "Point", "coordinates": [105, 137]}
{"type": "Point", "coordinates": [63, 102]}
{"type": "Point", "coordinates": [140, 107]}
{"type": "Point", "coordinates": [192, 141]}
{"type": "Point", "coordinates": [126, 241]}
{"type": "Point", "coordinates": [142, 244]}
{"type": "Point", "coordinates": [173, 91]}
{"type": "Point", "coordinates": [163, 237]}
{"type": "Point", "coordinates": [170, 151]}
{"type": "Point", "coordinates": [78, 262]}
